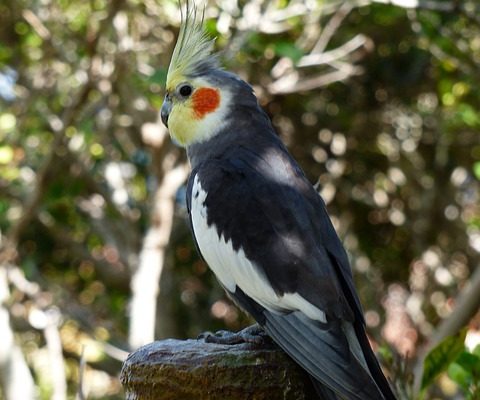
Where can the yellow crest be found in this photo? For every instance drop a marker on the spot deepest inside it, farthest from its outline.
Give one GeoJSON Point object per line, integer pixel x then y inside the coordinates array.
{"type": "Point", "coordinates": [193, 52]}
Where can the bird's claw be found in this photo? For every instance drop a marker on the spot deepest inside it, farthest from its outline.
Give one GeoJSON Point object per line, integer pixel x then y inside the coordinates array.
{"type": "Point", "coordinates": [252, 334]}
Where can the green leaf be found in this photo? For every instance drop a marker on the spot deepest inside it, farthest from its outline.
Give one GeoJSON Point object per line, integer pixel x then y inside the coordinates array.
{"type": "Point", "coordinates": [441, 356]}
{"type": "Point", "coordinates": [476, 169]}
{"type": "Point", "coordinates": [211, 28]}
{"type": "Point", "coordinates": [287, 49]}
{"type": "Point", "coordinates": [457, 374]}
{"type": "Point", "coordinates": [159, 77]}
{"type": "Point", "coordinates": [476, 350]}
{"type": "Point", "coordinates": [469, 362]}
{"type": "Point", "coordinates": [386, 353]}
{"type": "Point", "coordinates": [465, 371]}
{"type": "Point", "coordinates": [468, 115]}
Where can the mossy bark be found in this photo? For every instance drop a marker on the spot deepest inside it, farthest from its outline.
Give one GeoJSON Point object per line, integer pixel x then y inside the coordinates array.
{"type": "Point", "coordinates": [195, 370]}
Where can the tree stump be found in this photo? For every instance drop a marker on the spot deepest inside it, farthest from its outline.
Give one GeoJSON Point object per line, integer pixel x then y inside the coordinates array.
{"type": "Point", "coordinates": [194, 370]}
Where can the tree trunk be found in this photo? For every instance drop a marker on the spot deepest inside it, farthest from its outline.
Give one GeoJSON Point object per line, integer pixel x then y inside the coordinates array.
{"type": "Point", "coordinates": [146, 280]}
{"type": "Point", "coordinates": [16, 381]}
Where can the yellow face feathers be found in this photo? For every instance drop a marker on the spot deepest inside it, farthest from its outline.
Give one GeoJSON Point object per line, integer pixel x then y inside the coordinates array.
{"type": "Point", "coordinates": [195, 108]}
{"type": "Point", "coordinates": [200, 116]}
{"type": "Point", "coordinates": [193, 51]}
{"type": "Point", "coordinates": [182, 124]}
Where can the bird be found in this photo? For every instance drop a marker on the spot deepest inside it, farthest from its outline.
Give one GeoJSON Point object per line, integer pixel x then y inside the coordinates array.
{"type": "Point", "coordinates": [261, 226]}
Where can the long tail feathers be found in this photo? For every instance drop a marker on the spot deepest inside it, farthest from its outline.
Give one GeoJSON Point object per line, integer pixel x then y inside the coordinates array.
{"type": "Point", "coordinates": [372, 362]}
{"type": "Point", "coordinates": [325, 354]}
{"type": "Point", "coordinates": [324, 392]}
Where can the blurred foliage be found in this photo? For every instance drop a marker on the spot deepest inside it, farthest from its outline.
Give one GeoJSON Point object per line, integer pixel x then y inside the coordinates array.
{"type": "Point", "coordinates": [461, 364]}
{"type": "Point", "coordinates": [442, 356]}
{"type": "Point", "coordinates": [394, 147]}
{"type": "Point", "coordinates": [465, 371]}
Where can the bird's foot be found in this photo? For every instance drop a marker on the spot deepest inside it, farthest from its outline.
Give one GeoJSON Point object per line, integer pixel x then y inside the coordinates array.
{"type": "Point", "coordinates": [251, 334]}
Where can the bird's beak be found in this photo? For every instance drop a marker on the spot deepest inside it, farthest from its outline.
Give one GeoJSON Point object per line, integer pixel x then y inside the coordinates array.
{"type": "Point", "coordinates": [165, 111]}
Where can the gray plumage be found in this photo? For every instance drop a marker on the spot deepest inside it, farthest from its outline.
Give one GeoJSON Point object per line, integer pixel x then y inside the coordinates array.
{"type": "Point", "coordinates": [273, 224]}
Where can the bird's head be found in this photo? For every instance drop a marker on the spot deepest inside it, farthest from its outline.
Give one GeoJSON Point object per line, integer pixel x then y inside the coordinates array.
{"type": "Point", "coordinates": [196, 101]}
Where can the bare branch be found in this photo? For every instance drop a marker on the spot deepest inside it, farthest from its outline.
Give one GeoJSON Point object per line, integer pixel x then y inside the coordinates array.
{"type": "Point", "coordinates": [54, 346]}
{"type": "Point", "coordinates": [81, 371]}
{"type": "Point", "coordinates": [333, 55]}
{"type": "Point", "coordinates": [287, 78]}
{"type": "Point", "coordinates": [293, 83]}
{"type": "Point", "coordinates": [17, 278]}
{"type": "Point", "coordinates": [15, 377]}
{"type": "Point", "coordinates": [425, 4]}
{"type": "Point", "coordinates": [36, 24]}
{"type": "Point", "coordinates": [331, 27]}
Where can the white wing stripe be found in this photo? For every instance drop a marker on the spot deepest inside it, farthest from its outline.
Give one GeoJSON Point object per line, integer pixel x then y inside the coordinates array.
{"type": "Point", "coordinates": [232, 268]}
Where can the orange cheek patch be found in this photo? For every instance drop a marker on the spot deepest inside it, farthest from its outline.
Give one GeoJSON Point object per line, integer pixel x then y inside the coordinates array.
{"type": "Point", "coordinates": [205, 100]}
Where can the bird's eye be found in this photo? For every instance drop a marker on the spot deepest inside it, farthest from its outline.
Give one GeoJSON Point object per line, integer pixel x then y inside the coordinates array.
{"type": "Point", "coordinates": [185, 90]}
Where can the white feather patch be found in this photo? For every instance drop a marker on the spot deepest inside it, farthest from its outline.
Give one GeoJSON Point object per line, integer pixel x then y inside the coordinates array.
{"type": "Point", "coordinates": [232, 268]}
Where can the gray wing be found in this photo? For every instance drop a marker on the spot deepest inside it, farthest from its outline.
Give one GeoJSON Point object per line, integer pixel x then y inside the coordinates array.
{"type": "Point", "coordinates": [263, 205]}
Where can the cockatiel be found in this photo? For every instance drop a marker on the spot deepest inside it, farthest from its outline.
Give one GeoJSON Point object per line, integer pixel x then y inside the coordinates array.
{"type": "Point", "coordinates": [261, 226]}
